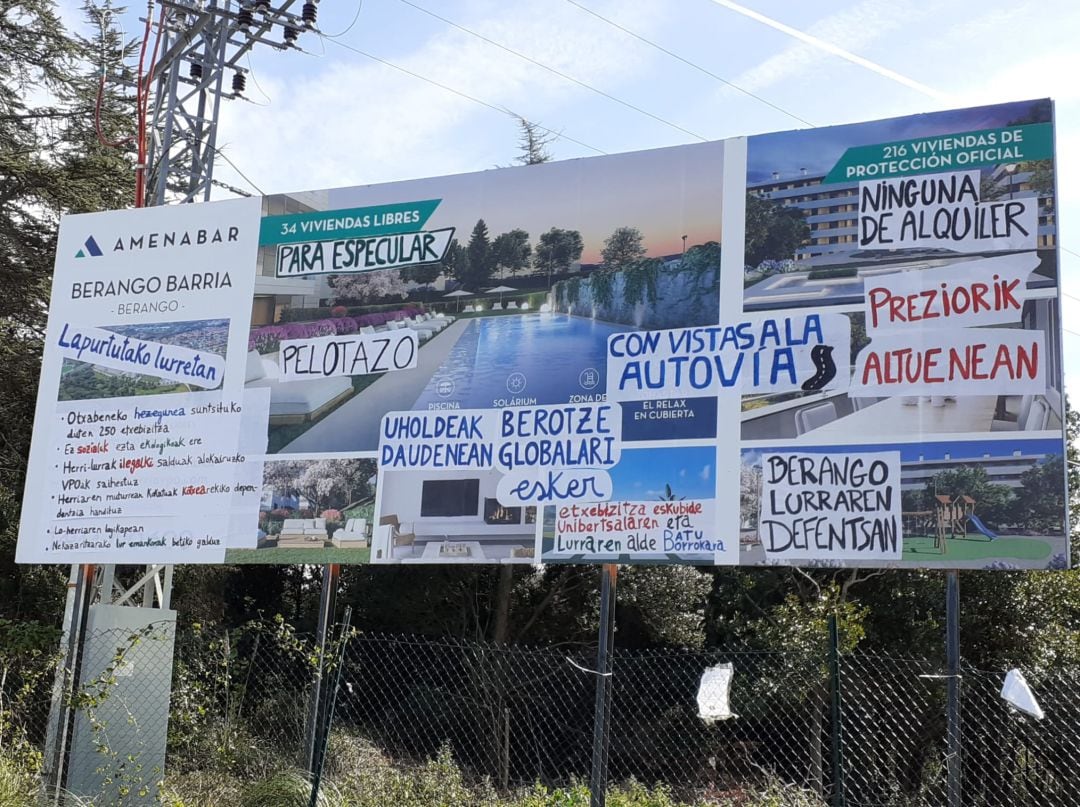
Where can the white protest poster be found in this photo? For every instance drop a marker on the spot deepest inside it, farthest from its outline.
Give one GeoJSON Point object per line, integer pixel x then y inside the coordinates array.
{"type": "Point", "coordinates": [964, 361]}
{"type": "Point", "coordinates": [347, 355]}
{"type": "Point", "coordinates": [136, 448]}
{"type": "Point", "coordinates": [944, 211]}
{"type": "Point", "coordinates": [646, 530]}
{"type": "Point", "coordinates": [778, 353]}
{"type": "Point", "coordinates": [363, 254]}
{"type": "Point", "coordinates": [822, 507]}
{"type": "Point", "coordinates": [989, 291]}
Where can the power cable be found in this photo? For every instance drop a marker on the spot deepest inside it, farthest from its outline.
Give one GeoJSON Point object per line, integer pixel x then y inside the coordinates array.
{"type": "Point", "coordinates": [689, 63]}
{"type": "Point", "coordinates": [556, 72]}
{"type": "Point", "coordinates": [359, 7]}
{"type": "Point", "coordinates": [243, 176]}
{"type": "Point", "coordinates": [459, 93]}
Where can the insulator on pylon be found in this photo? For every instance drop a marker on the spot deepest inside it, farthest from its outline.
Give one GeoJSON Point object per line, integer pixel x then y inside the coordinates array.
{"type": "Point", "coordinates": [244, 19]}
{"type": "Point", "coordinates": [309, 13]}
{"type": "Point", "coordinates": [262, 6]}
{"type": "Point", "coordinates": [291, 35]}
{"type": "Point", "coordinates": [196, 70]}
{"type": "Point", "coordinates": [239, 83]}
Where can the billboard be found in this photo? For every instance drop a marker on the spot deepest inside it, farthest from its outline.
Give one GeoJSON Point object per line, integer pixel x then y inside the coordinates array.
{"type": "Point", "coordinates": [837, 346]}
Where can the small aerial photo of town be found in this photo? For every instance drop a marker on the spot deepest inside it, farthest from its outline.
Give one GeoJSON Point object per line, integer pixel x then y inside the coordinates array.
{"type": "Point", "coordinates": [83, 381]}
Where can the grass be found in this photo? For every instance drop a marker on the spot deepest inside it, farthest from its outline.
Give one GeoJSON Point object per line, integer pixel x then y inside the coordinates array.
{"type": "Point", "coordinates": [358, 774]}
{"type": "Point", "coordinates": [966, 549]}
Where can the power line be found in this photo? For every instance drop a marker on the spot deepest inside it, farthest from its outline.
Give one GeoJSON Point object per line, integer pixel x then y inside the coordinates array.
{"type": "Point", "coordinates": [244, 176]}
{"type": "Point", "coordinates": [689, 63]}
{"type": "Point", "coordinates": [359, 7]}
{"type": "Point", "coordinates": [459, 93]}
{"type": "Point", "coordinates": [556, 72]}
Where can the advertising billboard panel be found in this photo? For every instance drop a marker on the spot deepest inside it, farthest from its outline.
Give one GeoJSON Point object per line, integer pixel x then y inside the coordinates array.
{"type": "Point", "coordinates": [836, 346]}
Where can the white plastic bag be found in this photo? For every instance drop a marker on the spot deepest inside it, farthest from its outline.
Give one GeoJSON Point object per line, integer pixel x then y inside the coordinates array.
{"type": "Point", "coordinates": [712, 696]}
{"type": "Point", "coordinates": [1017, 692]}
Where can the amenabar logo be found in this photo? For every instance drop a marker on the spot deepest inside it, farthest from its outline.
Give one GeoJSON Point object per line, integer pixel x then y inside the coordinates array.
{"type": "Point", "coordinates": [162, 240]}
{"type": "Point", "coordinates": [90, 249]}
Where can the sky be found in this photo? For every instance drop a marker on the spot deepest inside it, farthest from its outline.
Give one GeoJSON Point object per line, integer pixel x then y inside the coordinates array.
{"type": "Point", "coordinates": [332, 116]}
{"type": "Point", "coordinates": [643, 475]}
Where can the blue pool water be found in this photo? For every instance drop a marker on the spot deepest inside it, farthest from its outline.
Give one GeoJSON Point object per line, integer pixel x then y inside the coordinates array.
{"type": "Point", "coordinates": [521, 360]}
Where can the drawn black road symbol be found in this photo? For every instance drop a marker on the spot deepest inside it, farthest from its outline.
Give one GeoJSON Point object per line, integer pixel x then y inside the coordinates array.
{"type": "Point", "coordinates": [821, 356]}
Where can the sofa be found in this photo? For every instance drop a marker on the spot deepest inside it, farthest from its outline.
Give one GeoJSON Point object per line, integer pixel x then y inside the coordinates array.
{"type": "Point", "coordinates": [296, 532]}
{"type": "Point", "coordinates": [353, 534]}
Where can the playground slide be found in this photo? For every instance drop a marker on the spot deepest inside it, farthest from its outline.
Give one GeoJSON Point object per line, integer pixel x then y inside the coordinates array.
{"type": "Point", "coordinates": [977, 523]}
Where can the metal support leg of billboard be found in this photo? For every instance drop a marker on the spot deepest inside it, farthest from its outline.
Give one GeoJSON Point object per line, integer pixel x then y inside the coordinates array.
{"type": "Point", "coordinates": [90, 585]}
{"type": "Point", "coordinates": [602, 717]}
{"type": "Point", "coordinates": [952, 703]}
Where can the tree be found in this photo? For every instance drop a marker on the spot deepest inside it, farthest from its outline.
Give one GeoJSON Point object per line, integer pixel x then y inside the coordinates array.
{"type": "Point", "coordinates": [98, 147]}
{"type": "Point", "coordinates": [557, 249]}
{"type": "Point", "coordinates": [623, 247]}
{"type": "Point", "coordinates": [1040, 501]}
{"type": "Point", "coordinates": [453, 262]}
{"type": "Point", "coordinates": [512, 251]}
{"type": "Point", "coordinates": [368, 287]}
{"type": "Point", "coordinates": [480, 264]}
{"type": "Point", "coordinates": [422, 273]}
{"type": "Point", "coordinates": [533, 142]}
{"type": "Point", "coordinates": [773, 232]}
{"type": "Point", "coordinates": [48, 167]}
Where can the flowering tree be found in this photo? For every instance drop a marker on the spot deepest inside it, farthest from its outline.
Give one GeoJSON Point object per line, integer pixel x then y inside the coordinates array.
{"type": "Point", "coordinates": [749, 494]}
{"type": "Point", "coordinates": [367, 287]}
{"type": "Point", "coordinates": [320, 480]}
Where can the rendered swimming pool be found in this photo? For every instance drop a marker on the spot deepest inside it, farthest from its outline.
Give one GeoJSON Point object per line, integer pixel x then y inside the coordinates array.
{"type": "Point", "coordinates": [521, 360]}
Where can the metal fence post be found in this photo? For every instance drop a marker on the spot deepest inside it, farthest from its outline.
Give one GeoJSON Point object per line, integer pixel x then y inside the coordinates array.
{"type": "Point", "coordinates": [952, 705]}
{"type": "Point", "coordinates": [316, 700]}
{"type": "Point", "coordinates": [324, 736]}
{"type": "Point", "coordinates": [602, 718]}
{"type": "Point", "coordinates": [837, 714]}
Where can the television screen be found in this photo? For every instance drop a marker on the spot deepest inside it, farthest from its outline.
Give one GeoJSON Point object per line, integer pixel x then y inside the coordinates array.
{"type": "Point", "coordinates": [450, 497]}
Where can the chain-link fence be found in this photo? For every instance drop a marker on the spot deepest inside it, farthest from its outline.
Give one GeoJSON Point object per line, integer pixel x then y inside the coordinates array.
{"type": "Point", "coordinates": [509, 717]}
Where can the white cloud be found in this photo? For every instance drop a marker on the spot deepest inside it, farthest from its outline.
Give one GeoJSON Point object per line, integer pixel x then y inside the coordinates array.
{"type": "Point", "coordinates": [853, 29]}
{"type": "Point", "coordinates": [355, 121]}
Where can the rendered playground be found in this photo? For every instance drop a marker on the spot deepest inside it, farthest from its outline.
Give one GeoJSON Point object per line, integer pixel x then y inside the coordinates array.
{"type": "Point", "coordinates": [952, 530]}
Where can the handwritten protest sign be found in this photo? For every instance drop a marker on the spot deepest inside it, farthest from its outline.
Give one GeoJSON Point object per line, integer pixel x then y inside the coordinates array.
{"type": "Point", "coordinates": [767, 354]}
{"type": "Point", "coordinates": [367, 254]}
{"type": "Point", "coordinates": [831, 507]}
{"type": "Point", "coordinates": [149, 478]}
{"type": "Point", "coordinates": [546, 453]}
{"type": "Point", "coordinates": [964, 361]}
{"type": "Point", "coordinates": [640, 529]}
{"type": "Point", "coordinates": [347, 355]}
{"type": "Point", "coordinates": [990, 291]}
{"type": "Point", "coordinates": [942, 211]}
{"type": "Point", "coordinates": [130, 354]}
